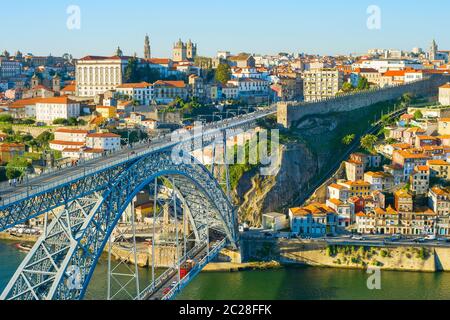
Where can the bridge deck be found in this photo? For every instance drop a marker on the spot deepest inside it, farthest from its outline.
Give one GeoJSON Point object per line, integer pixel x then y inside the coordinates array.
{"type": "Point", "coordinates": [52, 179]}
{"type": "Point", "coordinates": [169, 283]}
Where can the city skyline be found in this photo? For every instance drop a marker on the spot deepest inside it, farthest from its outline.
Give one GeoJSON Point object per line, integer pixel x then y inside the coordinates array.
{"type": "Point", "coordinates": [243, 30]}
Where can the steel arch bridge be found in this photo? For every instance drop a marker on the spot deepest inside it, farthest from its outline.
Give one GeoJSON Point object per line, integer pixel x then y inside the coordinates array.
{"type": "Point", "coordinates": [93, 206]}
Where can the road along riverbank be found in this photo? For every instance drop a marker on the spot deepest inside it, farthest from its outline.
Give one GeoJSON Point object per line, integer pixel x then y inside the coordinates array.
{"type": "Point", "coordinates": [322, 254]}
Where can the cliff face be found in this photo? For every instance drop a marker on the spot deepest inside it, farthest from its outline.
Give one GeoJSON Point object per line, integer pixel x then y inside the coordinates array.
{"type": "Point", "coordinates": [257, 194]}
{"type": "Point", "coordinates": [308, 151]}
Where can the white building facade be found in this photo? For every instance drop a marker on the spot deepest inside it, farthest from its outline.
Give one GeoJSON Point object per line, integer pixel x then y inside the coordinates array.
{"type": "Point", "coordinates": [50, 109]}
{"type": "Point", "coordinates": [96, 75]}
{"type": "Point", "coordinates": [104, 141]}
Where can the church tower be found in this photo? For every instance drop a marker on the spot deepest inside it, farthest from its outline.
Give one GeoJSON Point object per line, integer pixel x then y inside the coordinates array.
{"type": "Point", "coordinates": [179, 51]}
{"type": "Point", "coordinates": [433, 51]}
{"type": "Point", "coordinates": [56, 83]}
{"type": "Point", "coordinates": [191, 50]}
{"type": "Point", "coordinates": [147, 49]}
{"type": "Point", "coordinates": [35, 81]}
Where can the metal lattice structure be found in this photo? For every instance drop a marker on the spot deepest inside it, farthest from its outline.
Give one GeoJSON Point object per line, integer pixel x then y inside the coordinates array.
{"type": "Point", "coordinates": [62, 262]}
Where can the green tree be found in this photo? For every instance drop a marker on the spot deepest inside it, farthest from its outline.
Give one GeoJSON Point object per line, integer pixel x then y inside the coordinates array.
{"type": "Point", "coordinates": [347, 87]}
{"type": "Point", "coordinates": [132, 71]}
{"type": "Point", "coordinates": [223, 73]}
{"type": "Point", "coordinates": [72, 121]}
{"type": "Point", "coordinates": [418, 115]}
{"type": "Point", "coordinates": [44, 138]}
{"type": "Point", "coordinates": [60, 121]}
{"type": "Point", "coordinates": [363, 84]}
{"type": "Point", "coordinates": [407, 98]}
{"type": "Point", "coordinates": [16, 168]}
{"type": "Point", "coordinates": [368, 142]}
{"type": "Point", "coordinates": [28, 121]}
{"type": "Point", "coordinates": [148, 74]}
{"type": "Point", "coordinates": [8, 130]}
{"type": "Point", "coordinates": [348, 139]}
{"type": "Point", "coordinates": [6, 118]}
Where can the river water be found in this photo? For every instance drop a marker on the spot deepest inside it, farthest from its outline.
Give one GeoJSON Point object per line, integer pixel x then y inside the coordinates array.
{"type": "Point", "coordinates": [290, 283]}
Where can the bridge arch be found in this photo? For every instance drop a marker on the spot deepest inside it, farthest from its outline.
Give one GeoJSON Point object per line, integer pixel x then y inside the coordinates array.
{"type": "Point", "coordinates": [80, 233]}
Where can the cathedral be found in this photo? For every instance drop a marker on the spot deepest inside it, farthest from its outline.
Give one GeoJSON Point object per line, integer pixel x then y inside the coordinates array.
{"type": "Point", "coordinates": [184, 51]}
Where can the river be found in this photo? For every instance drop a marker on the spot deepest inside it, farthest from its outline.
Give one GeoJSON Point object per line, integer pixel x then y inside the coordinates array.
{"type": "Point", "coordinates": [290, 283]}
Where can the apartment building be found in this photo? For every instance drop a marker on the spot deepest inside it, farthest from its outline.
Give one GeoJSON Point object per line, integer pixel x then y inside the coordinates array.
{"type": "Point", "coordinates": [439, 200]}
{"type": "Point", "coordinates": [252, 86]}
{"type": "Point", "coordinates": [167, 91]}
{"type": "Point", "coordinates": [9, 151]}
{"type": "Point", "coordinates": [10, 69]}
{"type": "Point", "coordinates": [315, 220]}
{"type": "Point", "coordinates": [420, 180]}
{"type": "Point", "coordinates": [372, 76]}
{"type": "Point", "coordinates": [107, 112]}
{"type": "Point", "coordinates": [71, 135]}
{"type": "Point", "coordinates": [140, 92]}
{"type": "Point", "coordinates": [50, 109]}
{"type": "Point", "coordinates": [358, 188]}
{"type": "Point", "coordinates": [404, 201]}
{"type": "Point", "coordinates": [379, 181]}
{"type": "Point", "coordinates": [354, 170]}
{"type": "Point", "coordinates": [408, 160]}
{"type": "Point", "coordinates": [104, 141]}
{"type": "Point", "coordinates": [391, 222]}
{"type": "Point", "coordinates": [444, 95]}
{"type": "Point", "coordinates": [439, 169]}
{"type": "Point", "coordinates": [322, 84]}
{"type": "Point", "coordinates": [338, 192]}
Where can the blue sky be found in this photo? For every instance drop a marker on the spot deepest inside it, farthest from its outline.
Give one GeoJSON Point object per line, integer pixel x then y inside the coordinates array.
{"type": "Point", "coordinates": [257, 26]}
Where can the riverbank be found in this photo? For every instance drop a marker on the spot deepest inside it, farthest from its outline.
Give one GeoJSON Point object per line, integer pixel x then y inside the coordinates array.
{"type": "Point", "coordinates": [6, 236]}
{"type": "Point", "coordinates": [322, 254]}
{"type": "Point", "coordinates": [239, 267]}
{"type": "Point", "coordinates": [262, 254]}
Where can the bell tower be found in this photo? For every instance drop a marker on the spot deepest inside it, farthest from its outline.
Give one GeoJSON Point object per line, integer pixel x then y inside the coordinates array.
{"type": "Point", "coordinates": [433, 51]}
{"type": "Point", "coordinates": [56, 83]}
{"type": "Point", "coordinates": [34, 81]}
{"type": "Point", "coordinates": [147, 49]}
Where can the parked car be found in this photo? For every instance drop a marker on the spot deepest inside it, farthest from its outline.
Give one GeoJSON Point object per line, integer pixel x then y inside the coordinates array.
{"type": "Point", "coordinates": [358, 238]}
{"type": "Point", "coordinates": [419, 240]}
{"type": "Point", "coordinates": [431, 237]}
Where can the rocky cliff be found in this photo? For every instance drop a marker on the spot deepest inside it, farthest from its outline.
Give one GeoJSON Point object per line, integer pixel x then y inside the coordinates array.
{"type": "Point", "coordinates": [308, 150]}
{"type": "Point", "coordinates": [257, 194]}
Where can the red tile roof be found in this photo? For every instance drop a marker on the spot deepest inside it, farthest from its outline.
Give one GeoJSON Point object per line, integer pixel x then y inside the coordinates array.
{"type": "Point", "coordinates": [65, 130]}
{"type": "Point", "coordinates": [56, 100]}
{"type": "Point", "coordinates": [67, 143]}
{"type": "Point", "coordinates": [103, 135]}
{"type": "Point", "coordinates": [177, 84]}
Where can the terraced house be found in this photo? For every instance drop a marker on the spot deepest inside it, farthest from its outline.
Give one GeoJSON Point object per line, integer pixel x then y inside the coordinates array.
{"type": "Point", "coordinates": [358, 188]}
{"type": "Point", "coordinates": [315, 220]}
{"type": "Point", "coordinates": [141, 92]}
{"type": "Point", "coordinates": [167, 91]}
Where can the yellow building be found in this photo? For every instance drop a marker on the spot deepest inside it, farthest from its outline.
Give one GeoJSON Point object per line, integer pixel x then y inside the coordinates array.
{"type": "Point", "coordinates": [9, 151]}
{"type": "Point", "coordinates": [439, 169]}
{"type": "Point", "coordinates": [358, 188]}
{"type": "Point", "coordinates": [107, 112]}
{"type": "Point", "coordinates": [444, 126]}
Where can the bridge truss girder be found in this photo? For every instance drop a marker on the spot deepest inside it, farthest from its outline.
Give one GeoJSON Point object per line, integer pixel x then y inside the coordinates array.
{"type": "Point", "coordinates": [81, 248]}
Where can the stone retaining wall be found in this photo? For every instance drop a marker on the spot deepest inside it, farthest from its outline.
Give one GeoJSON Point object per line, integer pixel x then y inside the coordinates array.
{"type": "Point", "coordinates": [289, 113]}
